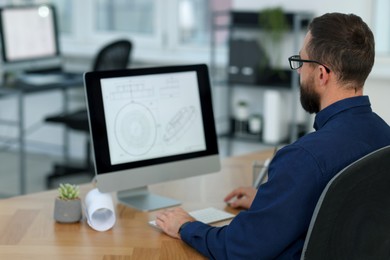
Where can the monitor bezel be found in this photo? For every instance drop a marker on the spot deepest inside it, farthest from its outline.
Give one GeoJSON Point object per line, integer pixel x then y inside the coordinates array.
{"type": "Point", "coordinates": [99, 128]}
{"type": "Point", "coordinates": [56, 55]}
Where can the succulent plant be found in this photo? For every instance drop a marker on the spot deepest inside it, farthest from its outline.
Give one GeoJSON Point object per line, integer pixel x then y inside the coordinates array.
{"type": "Point", "coordinates": [68, 191]}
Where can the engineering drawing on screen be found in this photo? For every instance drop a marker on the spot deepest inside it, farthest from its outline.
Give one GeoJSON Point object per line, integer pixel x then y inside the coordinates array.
{"type": "Point", "coordinates": [152, 116]}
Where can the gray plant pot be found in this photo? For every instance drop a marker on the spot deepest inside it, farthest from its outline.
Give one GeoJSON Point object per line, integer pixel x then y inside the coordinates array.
{"type": "Point", "coordinates": [67, 211]}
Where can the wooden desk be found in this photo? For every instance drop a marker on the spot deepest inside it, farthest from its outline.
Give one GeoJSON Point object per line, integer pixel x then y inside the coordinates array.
{"type": "Point", "coordinates": [28, 231]}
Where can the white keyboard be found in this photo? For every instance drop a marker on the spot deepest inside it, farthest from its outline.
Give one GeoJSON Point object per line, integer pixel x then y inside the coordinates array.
{"type": "Point", "coordinates": [206, 215]}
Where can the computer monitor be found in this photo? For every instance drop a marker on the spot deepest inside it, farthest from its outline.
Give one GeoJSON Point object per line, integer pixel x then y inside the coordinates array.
{"type": "Point", "coordinates": [150, 125]}
{"type": "Point", "coordinates": [29, 38]}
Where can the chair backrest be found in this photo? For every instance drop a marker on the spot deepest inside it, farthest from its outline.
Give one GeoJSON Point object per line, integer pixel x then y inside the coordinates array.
{"type": "Point", "coordinates": [352, 217]}
{"type": "Point", "coordinates": [115, 55]}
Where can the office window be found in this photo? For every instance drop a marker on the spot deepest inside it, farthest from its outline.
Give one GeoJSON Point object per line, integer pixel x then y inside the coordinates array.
{"type": "Point", "coordinates": [194, 18]}
{"type": "Point", "coordinates": [64, 15]}
{"type": "Point", "coordinates": [153, 25]}
{"type": "Point", "coordinates": [132, 16]}
{"type": "Point", "coordinates": [151, 18]}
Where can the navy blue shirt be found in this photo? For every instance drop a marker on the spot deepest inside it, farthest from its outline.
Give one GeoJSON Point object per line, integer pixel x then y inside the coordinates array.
{"type": "Point", "coordinates": [275, 226]}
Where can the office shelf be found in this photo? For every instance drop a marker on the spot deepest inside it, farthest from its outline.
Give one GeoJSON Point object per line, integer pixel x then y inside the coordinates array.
{"type": "Point", "coordinates": [247, 23]}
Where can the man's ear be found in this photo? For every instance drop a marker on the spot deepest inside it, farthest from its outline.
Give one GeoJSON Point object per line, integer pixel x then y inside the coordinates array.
{"type": "Point", "coordinates": [323, 75]}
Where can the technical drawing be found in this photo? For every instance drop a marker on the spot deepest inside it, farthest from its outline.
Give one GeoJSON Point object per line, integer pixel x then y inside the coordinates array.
{"type": "Point", "coordinates": [135, 129]}
{"type": "Point", "coordinates": [179, 124]}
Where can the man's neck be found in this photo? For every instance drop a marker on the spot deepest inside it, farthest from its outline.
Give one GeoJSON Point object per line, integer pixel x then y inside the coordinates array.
{"type": "Point", "coordinates": [338, 93]}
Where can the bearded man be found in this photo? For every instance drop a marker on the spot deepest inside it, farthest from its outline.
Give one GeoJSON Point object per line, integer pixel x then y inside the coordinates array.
{"type": "Point", "coordinates": [336, 58]}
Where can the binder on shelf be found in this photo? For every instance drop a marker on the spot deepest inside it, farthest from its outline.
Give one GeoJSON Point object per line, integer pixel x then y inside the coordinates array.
{"type": "Point", "coordinates": [248, 62]}
{"type": "Point", "coordinates": [250, 65]}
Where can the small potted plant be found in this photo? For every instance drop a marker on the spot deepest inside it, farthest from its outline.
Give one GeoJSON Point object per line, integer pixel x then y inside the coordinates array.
{"type": "Point", "coordinates": [67, 208]}
{"type": "Point", "coordinates": [242, 110]}
{"type": "Point", "coordinates": [255, 124]}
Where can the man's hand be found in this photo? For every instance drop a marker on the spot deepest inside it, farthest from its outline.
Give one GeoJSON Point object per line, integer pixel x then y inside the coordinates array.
{"type": "Point", "coordinates": [241, 197]}
{"type": "Point", "coordinates": [170, 221]}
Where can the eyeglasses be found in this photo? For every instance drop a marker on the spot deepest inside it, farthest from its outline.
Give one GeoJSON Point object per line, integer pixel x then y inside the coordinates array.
{"type": "Point", "coordinates": [296, 62]}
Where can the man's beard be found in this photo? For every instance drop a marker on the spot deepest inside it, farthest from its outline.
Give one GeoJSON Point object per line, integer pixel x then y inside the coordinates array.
{"type": "Point", "coordinates": [310, 100]}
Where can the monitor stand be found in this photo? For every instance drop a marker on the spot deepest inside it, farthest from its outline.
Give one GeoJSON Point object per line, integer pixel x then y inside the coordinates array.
{"type": "Point", "coordinates": [142, 199]}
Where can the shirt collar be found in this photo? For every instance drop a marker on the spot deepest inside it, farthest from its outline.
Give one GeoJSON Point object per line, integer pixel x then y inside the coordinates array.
{"type": "Point", "coordinates": [324, 115]}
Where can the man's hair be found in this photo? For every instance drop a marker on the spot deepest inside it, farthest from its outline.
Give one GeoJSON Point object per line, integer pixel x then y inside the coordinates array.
{"type": "Point", "coordinates": [345, 44]}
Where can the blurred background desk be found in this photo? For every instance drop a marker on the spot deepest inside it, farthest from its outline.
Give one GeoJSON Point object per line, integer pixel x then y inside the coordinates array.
{"type": "Point", "coordinates": [34, 84]}
{"type": "Point", "coordinates": [28, 230]}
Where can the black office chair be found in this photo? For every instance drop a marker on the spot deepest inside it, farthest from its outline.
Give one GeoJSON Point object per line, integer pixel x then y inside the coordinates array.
{"type": "Point", "coordinates": [115, 55]}
{"type": "Point", "coordinates": [352, 217]}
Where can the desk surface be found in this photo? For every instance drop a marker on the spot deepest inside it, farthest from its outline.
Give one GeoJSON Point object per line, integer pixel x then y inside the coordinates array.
{"type": "Point", "coordinates": [28, 231]}
{"type": "Point", "coordinates": [45, 82]}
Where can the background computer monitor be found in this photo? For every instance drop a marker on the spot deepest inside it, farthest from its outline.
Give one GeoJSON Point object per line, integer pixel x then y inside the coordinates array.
{"type": "Point", "coordinates": [150, 125]}
{"type": "Point", "coordinates": [29, 38]}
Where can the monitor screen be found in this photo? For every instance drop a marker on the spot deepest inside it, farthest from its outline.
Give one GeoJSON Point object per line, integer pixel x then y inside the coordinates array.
{"type": "Point", "coordinates": [151, 125]}
{"type": "Point", "coordinates": [28, 33]}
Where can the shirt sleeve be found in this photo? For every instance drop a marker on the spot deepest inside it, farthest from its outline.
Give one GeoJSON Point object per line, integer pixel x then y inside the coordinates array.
{"type": "Point", "coordinates": [278, 218]}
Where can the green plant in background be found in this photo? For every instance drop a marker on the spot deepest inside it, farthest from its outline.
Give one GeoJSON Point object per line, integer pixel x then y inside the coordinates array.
{"type": "Point", "coordinates": [274, 24]}
{"type": "Point", "coordinates": [68, 191]}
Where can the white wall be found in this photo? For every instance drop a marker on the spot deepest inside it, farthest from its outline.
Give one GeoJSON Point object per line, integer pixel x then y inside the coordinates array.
{"type": "Point", "coordinates": [378, 89]}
